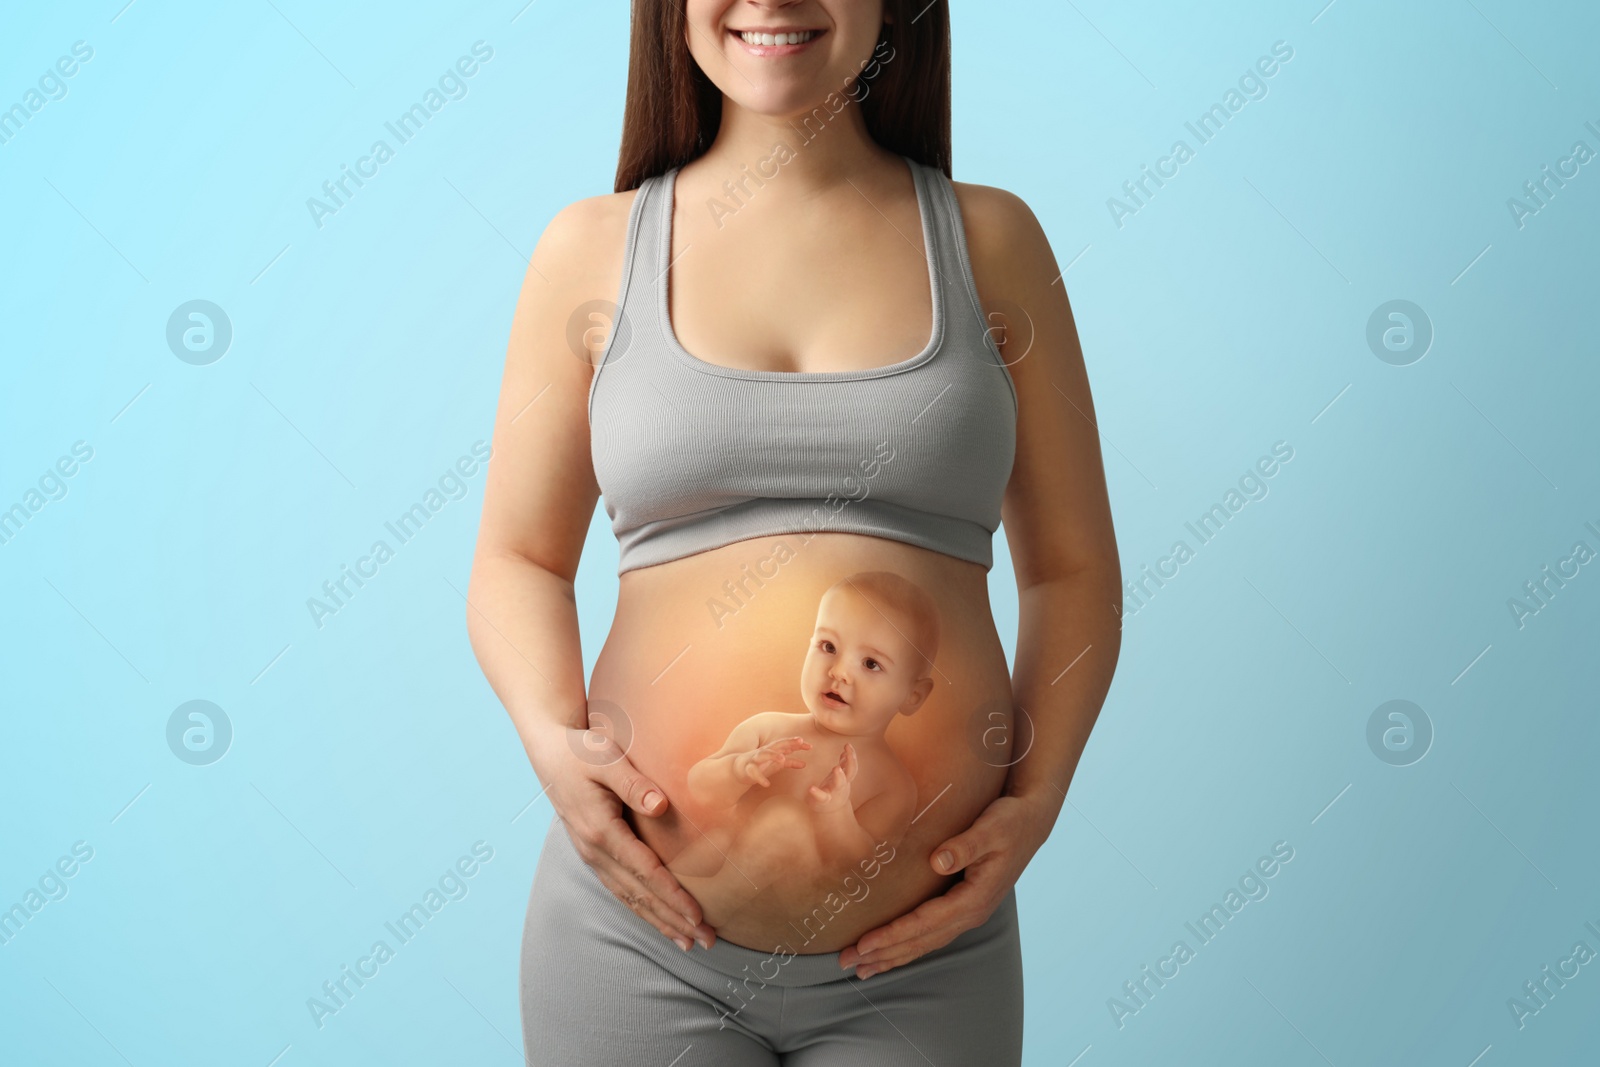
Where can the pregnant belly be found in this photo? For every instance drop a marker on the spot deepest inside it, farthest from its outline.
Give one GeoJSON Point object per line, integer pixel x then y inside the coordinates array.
{"type": "Point", "coordinates": [821, 712]}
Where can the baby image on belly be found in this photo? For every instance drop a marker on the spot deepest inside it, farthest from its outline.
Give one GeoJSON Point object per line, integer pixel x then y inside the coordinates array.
{"type": "Point", "coordinates": [805, 793]}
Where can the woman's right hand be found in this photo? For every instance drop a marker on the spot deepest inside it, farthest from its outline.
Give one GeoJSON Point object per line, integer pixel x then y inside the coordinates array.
{"type": "Point", "coordinates": [589, 778]}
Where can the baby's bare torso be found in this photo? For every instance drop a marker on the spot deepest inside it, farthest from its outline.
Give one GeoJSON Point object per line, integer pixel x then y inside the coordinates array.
{"type": "Point", "coordinates": [878, 770]}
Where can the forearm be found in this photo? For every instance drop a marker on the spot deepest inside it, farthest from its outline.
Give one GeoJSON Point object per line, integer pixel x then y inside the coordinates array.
{"type": "Point", "coordinates": [712, 782]}
{"type": "Point", "coordinates": [1068, 640]}
{"type": "Point", "coordinates": [522, 621]}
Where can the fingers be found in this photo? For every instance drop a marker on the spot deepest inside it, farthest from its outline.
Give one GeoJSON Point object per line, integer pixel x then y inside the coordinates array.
{"type": "Point", "coordinates": [927, 917]}
{"type": "Point", "coordinates": [640, 861]}
{"type": "Point", "coordinates": [590, 806]}
{"type": "Point", "coordinates": [775, 756]}
{"type": "Point", "coordinates": [675, 900]}
{"type": "Point", "coordinates": [779, 754]}
{"type": "Point", "coordinates": [636, 791]}
{"type": "Point", "coordinates": [933, 925]}
{"type": "Point", "coordinates": [990, 860]}
{"type": "Point", "coordinates": [627, 886]}
{"type": "Point", "coordinates": [849, 761]}
{"type": "Point", "coordinates": [956, 853]}
{"type": "Point", "coordinates": [646, 907]}
{"type": "Point", "coordinates": [656, 896]}
{"type": "Point", "coordinates": [830, 788]}
{"type": "Point", "coordinates": [908, 951]}
{"type": "Point", "coordinates": [675, 903]}
{"type": "Point", "coordinates": [913, 924]}
{"type": "Point", "coordinates": [635, 875]}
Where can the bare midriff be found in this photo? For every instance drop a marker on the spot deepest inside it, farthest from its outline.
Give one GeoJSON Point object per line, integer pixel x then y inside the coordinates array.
{"type": "Point", "coordinates": [724, 670]}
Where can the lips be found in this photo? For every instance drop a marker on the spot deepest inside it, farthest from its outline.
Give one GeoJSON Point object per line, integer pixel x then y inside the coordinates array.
{"type": "Point", "coordinates": [775, 41]}
{"type": "Point", "coordinates": [835, 698]}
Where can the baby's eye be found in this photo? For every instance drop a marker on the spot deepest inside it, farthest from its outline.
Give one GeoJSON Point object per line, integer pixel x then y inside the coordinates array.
{"type": "Point", "coordinates": [871, 664]}
{"type": "Point", "coordinates": [825, 645]}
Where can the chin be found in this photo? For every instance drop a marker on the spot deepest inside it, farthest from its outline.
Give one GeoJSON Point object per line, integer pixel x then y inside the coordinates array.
{"type": "Point", "coordinates": [784, 101]}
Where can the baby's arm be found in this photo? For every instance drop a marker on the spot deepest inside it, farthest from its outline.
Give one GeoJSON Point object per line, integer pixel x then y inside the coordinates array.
{"type": "Point", "coordinates": [841, 839]}
{"type": "Point", "coordinates": [849, 832]}
{"type": "Point", "coordinates": [746, 759]}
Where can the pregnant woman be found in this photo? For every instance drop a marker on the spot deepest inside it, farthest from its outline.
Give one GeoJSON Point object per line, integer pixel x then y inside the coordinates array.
{"type": "Point", "coordinates": [795, 798]}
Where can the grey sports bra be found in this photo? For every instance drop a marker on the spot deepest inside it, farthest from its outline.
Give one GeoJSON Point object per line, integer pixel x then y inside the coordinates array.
{"type": "Point", "coordinates": [691, 455]}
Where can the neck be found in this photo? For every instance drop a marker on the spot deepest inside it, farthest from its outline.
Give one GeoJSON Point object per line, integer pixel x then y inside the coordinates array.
{"type": "Point", "coordinates": [796, 156]}
{"type": "Point", "coordinates": [820, 728]}
{"type": "Point", "coordinates": [816, 724]}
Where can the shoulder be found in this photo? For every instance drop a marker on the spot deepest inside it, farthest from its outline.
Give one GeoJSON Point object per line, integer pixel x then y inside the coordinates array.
{"type": "Point", "coordinates": [899, 791]}
{"type": "Point", "coordinates": [1005, 241]}
{"type": "Point", "coordinates": [896, 781]}
{"type": "Point", "coordinates": [1021, 288]}
{"type": "Point", "coordinates": [776, 723]}
{"type": "Point", "coordinates": [908, 782]}
{"type": "Point", "coordinates": [992, 208]}
{"type": "Point", "coordinates": [579, 219]}
{"type": "Point", "coordinates": [583, 242]}
{"type": "Point", "coordinates": [578, 260]}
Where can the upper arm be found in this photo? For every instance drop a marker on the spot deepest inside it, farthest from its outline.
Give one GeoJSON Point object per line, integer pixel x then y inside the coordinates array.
{"type": "Point", "coordinates": [540, 493]}
{"type": "Point", "coordinates": [750, 733]}
{"type": "Point", "coordinates": [1056, 511]}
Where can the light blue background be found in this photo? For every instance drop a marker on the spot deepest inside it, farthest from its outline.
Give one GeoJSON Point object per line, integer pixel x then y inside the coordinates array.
{"type": "Point", "coordinates": [1229, 313]}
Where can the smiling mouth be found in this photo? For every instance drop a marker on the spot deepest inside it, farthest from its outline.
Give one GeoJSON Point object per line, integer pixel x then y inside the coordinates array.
{"type": "Point", "coordinates": [776, 43]}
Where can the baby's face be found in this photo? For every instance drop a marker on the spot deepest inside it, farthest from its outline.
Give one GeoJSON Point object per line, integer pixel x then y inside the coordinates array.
{"type": "Point", "coordinates": [860, 671]}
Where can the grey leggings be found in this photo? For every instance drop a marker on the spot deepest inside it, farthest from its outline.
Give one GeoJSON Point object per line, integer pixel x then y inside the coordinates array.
{"type": "Point", "coordinates": [602, 986]}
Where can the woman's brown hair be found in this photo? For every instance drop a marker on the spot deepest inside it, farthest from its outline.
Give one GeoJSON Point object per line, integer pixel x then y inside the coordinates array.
{"type": "Point", "coordinates": [673, 110]}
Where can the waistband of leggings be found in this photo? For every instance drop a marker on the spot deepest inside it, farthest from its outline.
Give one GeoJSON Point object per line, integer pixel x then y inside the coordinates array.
{"type": "Point", "coordinates": [785, 965]}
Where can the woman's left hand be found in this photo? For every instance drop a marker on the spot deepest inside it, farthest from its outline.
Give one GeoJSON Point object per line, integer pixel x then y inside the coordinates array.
{"type": "Point", "coordinates": [993, 853]}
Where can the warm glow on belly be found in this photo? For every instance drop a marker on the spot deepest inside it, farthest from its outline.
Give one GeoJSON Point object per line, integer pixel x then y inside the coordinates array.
{"type": "Point", "coordinates": [820, 713]}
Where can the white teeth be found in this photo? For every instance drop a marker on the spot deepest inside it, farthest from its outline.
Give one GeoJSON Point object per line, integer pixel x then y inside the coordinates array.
{"type": "Point", "coordinates": [770, 39]}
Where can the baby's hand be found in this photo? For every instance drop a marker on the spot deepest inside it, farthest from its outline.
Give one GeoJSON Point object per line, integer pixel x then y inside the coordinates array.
{"type": "Point", "coordinates": [774, 756]}
{"type": "Point", "coordinates": [834, 792]}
